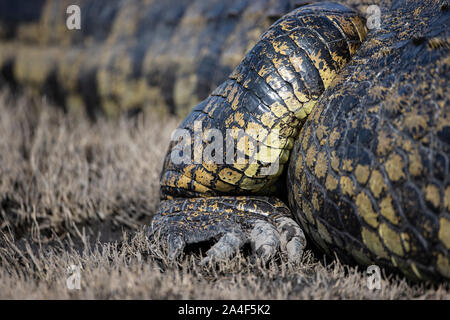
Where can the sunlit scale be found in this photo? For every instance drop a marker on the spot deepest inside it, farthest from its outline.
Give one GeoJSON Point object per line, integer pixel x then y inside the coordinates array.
{"type": "Point", "coordinates": [268, 96]}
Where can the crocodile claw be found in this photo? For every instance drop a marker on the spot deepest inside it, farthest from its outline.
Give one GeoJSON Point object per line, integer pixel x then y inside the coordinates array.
{"type": "Point", "coordinates": [259, 221]}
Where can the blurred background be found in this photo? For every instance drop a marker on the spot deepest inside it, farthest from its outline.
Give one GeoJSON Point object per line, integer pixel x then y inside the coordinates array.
{"type": "Point", "coordinates": [163, 56]}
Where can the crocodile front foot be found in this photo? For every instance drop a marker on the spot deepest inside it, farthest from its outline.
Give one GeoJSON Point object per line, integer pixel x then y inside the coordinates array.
{"type": "Point", "coordinates": [263, 222]}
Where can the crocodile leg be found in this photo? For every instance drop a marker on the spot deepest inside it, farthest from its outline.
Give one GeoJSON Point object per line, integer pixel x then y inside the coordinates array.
{"type": "Point", "coordinates": [263, 222]}
{"type": "Point", "coordinates": [227, 194]}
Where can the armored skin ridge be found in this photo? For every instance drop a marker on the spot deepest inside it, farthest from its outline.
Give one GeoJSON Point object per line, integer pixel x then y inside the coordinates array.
{"type": "Point", "coordinates": [357, 123]}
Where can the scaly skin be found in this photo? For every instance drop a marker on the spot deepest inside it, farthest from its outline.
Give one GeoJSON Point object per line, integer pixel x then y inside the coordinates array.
{"type": "Point", "coordinates": [156, 55]}
{"type": "Point", "coordinates": [132, 55]}
{"type": "Point", "coordinates": [368, 176]}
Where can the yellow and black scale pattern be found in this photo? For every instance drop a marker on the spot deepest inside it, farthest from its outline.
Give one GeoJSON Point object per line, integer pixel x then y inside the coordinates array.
{"type": "Point", "coordinates": [368, 177]}
{"type": "Point", "coordinates": [268, 96]}
{"type": "Point", "coordinates": [128, 55]}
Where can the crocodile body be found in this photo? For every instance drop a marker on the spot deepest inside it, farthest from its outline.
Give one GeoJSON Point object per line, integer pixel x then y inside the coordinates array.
{"type": "Point", "coordinates": [129, 55]}
{"type": "Point", "coordinates": [368, 175]}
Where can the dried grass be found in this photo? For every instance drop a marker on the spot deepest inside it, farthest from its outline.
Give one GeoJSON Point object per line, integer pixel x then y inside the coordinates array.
{"type": "Point", "coordinates": [77, 193]}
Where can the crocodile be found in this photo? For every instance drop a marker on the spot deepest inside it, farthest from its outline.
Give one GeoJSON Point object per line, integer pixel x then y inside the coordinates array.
{"type": "Point", "coordinates": [130, 55]}
{"type": "Point", "coordinates": [362, 115]}
{"type": "Point", "coordinates": [343, 137]}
